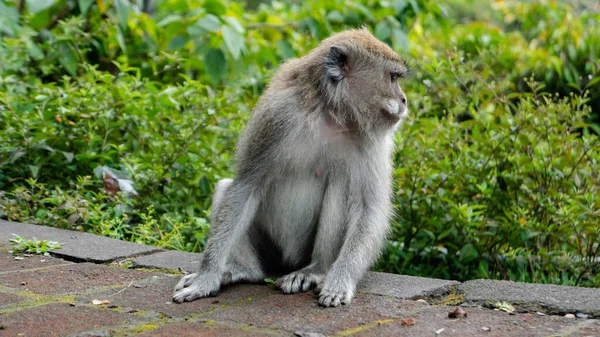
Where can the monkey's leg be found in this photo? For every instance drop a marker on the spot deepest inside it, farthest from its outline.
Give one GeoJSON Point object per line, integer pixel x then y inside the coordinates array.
{"type": "Point", "coordinates": [244, 265]}
{"type": "Point", "coordinates": [367, 223]}
{"type": "Point", "coordinates": [328, 240]}
{"type": "Point", "coordinates": [234, 208]}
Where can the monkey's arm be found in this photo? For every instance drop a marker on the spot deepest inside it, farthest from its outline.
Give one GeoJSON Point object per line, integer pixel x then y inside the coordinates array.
{"type": "Point", "coordinates": [367, 223]}
{"type": "Point", "coordinates": [233, 217]}
{"type": "Point", "coordinates": [236, 211]}
{"type": "Point", "coordinates": [328, 239]}
{"type": "Point", "coordinates": [237, 205]}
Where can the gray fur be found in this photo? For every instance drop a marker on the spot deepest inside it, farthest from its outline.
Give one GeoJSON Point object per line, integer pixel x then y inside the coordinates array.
{"type": "Point", "coordinates": [312, 190]}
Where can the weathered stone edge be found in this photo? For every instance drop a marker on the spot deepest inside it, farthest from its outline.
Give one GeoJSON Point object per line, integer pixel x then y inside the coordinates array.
{"type": "Point", "coordinates": [148, 257]}
{"type": "Point", "coordinates": [77, 246]}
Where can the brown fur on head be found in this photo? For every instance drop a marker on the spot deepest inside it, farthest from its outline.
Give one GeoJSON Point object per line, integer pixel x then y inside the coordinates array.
{"type": "Point", "coordinates": [352, 76]}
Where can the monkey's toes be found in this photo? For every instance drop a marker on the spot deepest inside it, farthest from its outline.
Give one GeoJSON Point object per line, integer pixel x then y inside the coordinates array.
{"type": "Point", "coordinates": [192, 293]}
{"type": "Point", "coordinates": [196, 286]}
{"type": "Point", "coordinates": [297, 282]}
{"type": "Point", "coordinates": [185, 282]}
{"type": "Point", "coordinates": [334, 299]}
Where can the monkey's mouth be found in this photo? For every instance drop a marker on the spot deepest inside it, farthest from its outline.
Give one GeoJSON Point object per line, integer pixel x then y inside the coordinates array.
{"type": "Point", "coordinates": [392, 117]}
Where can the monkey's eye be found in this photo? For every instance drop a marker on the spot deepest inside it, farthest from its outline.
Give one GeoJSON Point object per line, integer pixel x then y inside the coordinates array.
{"type": "Point", "coordinates": [395, 76]}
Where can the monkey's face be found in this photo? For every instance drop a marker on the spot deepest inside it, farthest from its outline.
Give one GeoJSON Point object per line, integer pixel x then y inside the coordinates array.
{"type": "Point", "coordinates": [394, 106]}
{"type": "Point", "coordinates": [373, 87]}
{"type": "Point", "coordinates": [364, 75]}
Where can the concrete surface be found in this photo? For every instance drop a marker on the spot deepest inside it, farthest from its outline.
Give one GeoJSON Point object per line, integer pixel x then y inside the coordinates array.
{"type": "Point", "coordinates": [169, 260]}
{"type": "Point", "coordinates": [405, 287]}
{"type": "Point", "coordinates": [77, 246]}
{"type": "Point", "coordinates": [52, 296]}
{"type": "Point", "coordinates": [547, 297]}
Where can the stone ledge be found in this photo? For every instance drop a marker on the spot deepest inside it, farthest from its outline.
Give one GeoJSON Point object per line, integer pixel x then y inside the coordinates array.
{"type": "Point", "coordinates": [404, 287]}
{"type": "Point", "coordinates": [550, 298]}
{"type": "Point", "coordinates": [399, 286]}
{"type": "Point", "coordinates": [76, 246]}
{"type": "Point", "coordinates": [169, 260]}
{"type": "Point", "coordinates": [547, 298]}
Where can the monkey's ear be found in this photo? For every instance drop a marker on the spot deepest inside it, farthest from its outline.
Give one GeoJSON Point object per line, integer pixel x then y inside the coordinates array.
{"type": "Point", "coordinates": [336, 64]}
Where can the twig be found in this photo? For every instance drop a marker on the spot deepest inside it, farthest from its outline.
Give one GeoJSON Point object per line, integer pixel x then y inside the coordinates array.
{"type": "Point", "coordinates": [122, 290]}
{"type": "Point", "coordinates": [581, 158]}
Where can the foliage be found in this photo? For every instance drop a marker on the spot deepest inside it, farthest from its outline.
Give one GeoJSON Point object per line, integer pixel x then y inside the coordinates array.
{"type": "Point", "coordinates": [497, 168]}
{"type": "Point", "coordinates": [33, 246]}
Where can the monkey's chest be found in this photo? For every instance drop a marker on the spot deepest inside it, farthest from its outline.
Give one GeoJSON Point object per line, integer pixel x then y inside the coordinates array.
{"type": "Point", "coordinates": [289, 213]}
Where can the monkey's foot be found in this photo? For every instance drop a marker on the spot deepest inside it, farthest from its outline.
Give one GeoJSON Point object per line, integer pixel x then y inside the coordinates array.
{"type": "Point", "coordinates": [332, 294]}
{"type": "Point", "coordinates": [299, 281]}
{"type": "Point", "coordinates": [195, 286]}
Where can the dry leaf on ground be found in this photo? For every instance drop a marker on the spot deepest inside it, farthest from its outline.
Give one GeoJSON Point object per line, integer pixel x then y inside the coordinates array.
{"type": "Point", "coordinates": [408, 321]}
{"type": "Point", "coordinates": [457, 313]}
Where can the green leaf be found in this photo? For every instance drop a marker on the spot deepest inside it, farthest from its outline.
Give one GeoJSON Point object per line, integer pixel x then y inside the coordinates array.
{"type": "Point", "coordinates": [40, 20]}
{"type": "Point", "coordinates": [36, 6]}
{"type": "Point", "coordinates": [233, 40]}
{"type": "Point", "coordinates": [216, 65]}
{"type": "Point", "coordinates": [207, 23]}
{"type": "Point", "coordinates": [35, 170]}
{"type": "Point", "coordinates": [400, 6]}
{"type": "Point", "coordinates": [593, 82]}
{"type": "Point", "coordinates": [122, 8]}
{"type": "Point", "coordinates": [215, 7]}
{"type": "Point", "coordinates": [335, 17]}
{"type": "Point", "coordinates": [233, 22]}
{"type": "Point", "coordinates": [177, 43]}
{"type": "Point", "coordinates": [383, 30]}
{"type": "Point", "coordinates": [84, 6]}
{"type": "Point", "coordinates": [68, 156]}
{"type": "Point", "coordinates": [169, 19]}
{"type": "Point", "coordinates": [468, 253]}
{"type": "Point", "coordinates": [400, 39]}
{"type": "Point", "coordinates": [364, 10]}
{"type": "Point", "coordinates": [285, 49]}
{"type": "Point", "coordinates": [9, 19]}
{"type": "Point", "coordinates": [40, 214]}
{"type": "Point", "coordinates": [483, 268]}
{"type": "Point", "coordinates": [121, 39]}
{"type": "Point", "coordinates": [15, 156]}
{"type": "Point", "coordinates": [415, 6]}
{"type": "Point", "coordinates": [34, 51]}
{"type": "Point", "coordinates": [67, 57]}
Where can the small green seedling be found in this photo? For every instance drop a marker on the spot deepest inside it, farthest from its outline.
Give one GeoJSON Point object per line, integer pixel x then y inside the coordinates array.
{"type": "Point", "coordinates": [270, 281]}
{"type": "Point", "coordinates": [34, 246]}
{"type": "Point", "coordinates": [504, 306]}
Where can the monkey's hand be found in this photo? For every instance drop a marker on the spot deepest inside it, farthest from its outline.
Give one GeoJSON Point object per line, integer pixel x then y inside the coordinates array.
{"type": "Point", "coordinates": [196, 286]}
{"type": "Point", "coordinates": [335, 291]}
{"type": "Point", "coordinates": [301, 280]}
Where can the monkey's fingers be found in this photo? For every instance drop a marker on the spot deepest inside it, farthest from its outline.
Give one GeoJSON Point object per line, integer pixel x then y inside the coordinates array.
{"type": "Point", "coordinates": [318, 288]}
{"type": "Point", "coordinates": [185, 282]}
{"type": "Point", "coordinates": [334, 298]}
{"type": "Point", "coordinates": [309, 283]}
{"type": "Point", "coordinates": [192, 293]}
{"type": "Point", "coordinates": [196, 286]}
{"type": "Point", "coordinates": [298, 281]}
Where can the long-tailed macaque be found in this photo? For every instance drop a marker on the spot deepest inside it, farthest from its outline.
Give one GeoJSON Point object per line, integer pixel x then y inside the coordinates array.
{"type": "Point", "coordinates": [311, 196]}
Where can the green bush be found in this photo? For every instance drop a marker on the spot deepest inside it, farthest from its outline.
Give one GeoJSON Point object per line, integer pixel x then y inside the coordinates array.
{"type": "Point", "coordinates": [497, 168]}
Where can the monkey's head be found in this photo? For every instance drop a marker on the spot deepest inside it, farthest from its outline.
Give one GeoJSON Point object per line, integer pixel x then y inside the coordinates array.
{"type": "Point", "coordinates": [359, 80]}
{"type": "Point", "coordinates": [355, 77]}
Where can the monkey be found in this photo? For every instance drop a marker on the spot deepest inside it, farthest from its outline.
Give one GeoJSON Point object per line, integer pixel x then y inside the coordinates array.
{"type": "Point", "coordinates": [311, 196]}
